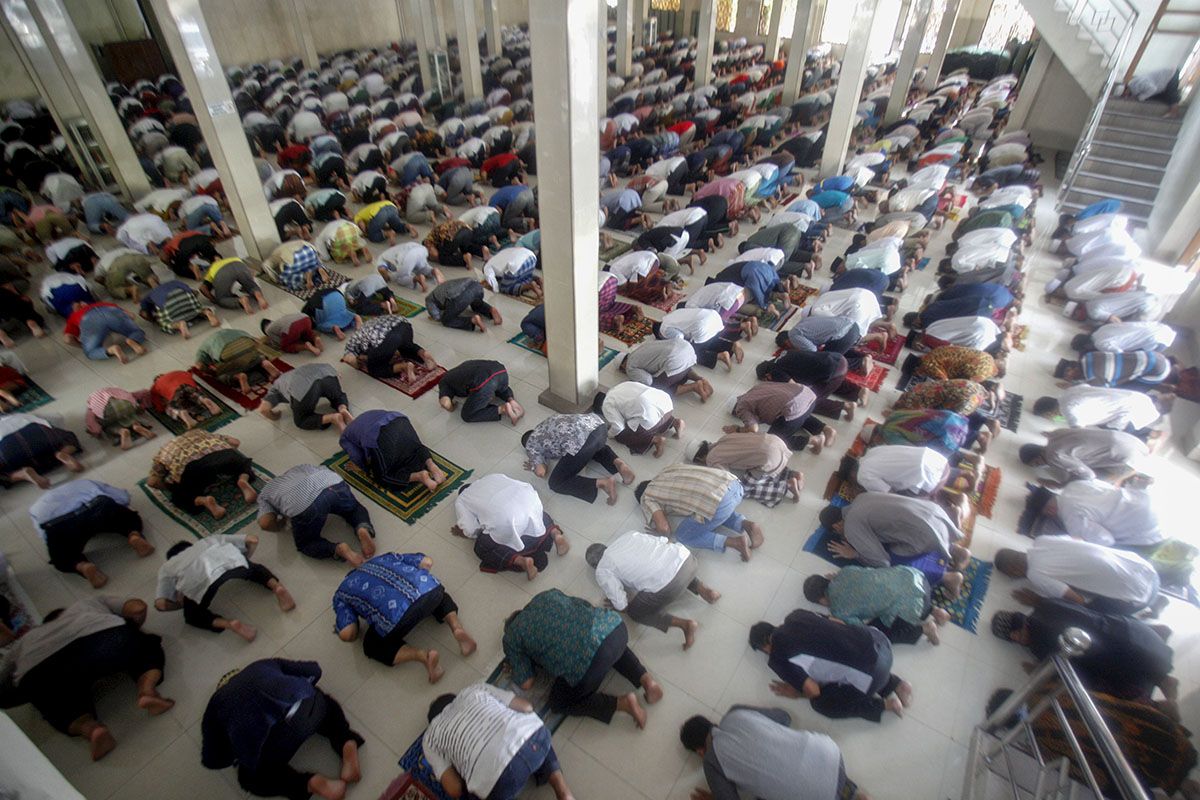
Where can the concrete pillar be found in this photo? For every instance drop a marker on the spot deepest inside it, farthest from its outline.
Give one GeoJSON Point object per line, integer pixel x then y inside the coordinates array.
{"type": "Point", "coordinates": [304, 35]}
{"type": "Point", "coordinates": [411, 16]}
{"type": "Point", "coordinates": [771, 46]}
{"type": "Point", "coordinates": [803, 32]}
{"type": "Point", "coordinates": [186, 36]}
{"type": "Point", "coordinates": [704, 42]}
{"type": "Point", "coordinates": [1031, 84]}
{"type": "Point", "coordinates": [438, 20]}
{"type": "Point", "coordinates": [1173, 219]}
{"type": "Point", "coordinates": [949, 19]}
{"type": "Point", "coordinates": [602, 56]}
{"type": "Point", "coordinates": [907, 65]}
{"type": "Point", "coordinates": [902, 24]}
{"type": "Point", "coordinates": [624, 42]}
{"type": "Point", "coordinates": [491, 23]}
{"type": "Point", "coordinates": [849, 87]}
{"type": "Point", "coordinates": [468, 49]}
{"type": "Point", "coordinates": [62, 69]}
{"type": "Point", "coordinates": [641, 13]}
{"type": "Point", "coordinates": [564, 35]}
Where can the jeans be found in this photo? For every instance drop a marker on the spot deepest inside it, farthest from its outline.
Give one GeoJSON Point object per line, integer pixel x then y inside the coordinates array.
{"type": "Point", "coordinates": [535, 759]}
{"type": "Point", "coordinates": [98, 323]}
{"type": "Point", "coordinates": [307, 526]}
{"type": "Point", "coordinates": [101, 207]}
{"type": "Point", "coordinates": [199, 219]}
{"type": "Point", "coordinates": [704, 534]}
{"type": "Point", "coordinates": [386, 219]}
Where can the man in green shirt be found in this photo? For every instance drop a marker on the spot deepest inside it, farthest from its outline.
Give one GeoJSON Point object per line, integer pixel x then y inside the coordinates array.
{"type": "Point", "coordinates": [896, 600]}
{"type": "Point", "coordinates": [576, 644]}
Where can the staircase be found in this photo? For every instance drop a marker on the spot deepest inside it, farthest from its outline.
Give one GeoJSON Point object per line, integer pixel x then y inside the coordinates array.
{"type": "Point", "coordinates": [1126, 159]}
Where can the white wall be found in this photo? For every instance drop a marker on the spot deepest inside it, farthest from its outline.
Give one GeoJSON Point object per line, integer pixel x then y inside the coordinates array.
{"type": "Point", "coordinates": [16, 83]}
{"type": "Point", "coordinates": [1060, 110]}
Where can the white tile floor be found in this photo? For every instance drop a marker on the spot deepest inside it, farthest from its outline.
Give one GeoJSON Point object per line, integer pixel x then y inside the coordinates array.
{"type": "Point", "coordinates": [160, 758]}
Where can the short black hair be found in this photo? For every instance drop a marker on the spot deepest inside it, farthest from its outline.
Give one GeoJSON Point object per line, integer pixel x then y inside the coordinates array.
{"type": "Point", "coordinates": [1045, 405]}
{"type": "Point", "coordinates": [178, 548]}
{"type": "Point", "coordinates": [760, 635]}
{"type": "Point", "coordinates": [910, 319]}
{"type": "Point", "coordinates": [830, 516]}
{"type": "Point", "coordinates": [640, 490]}
{"type": "Point", "coordinates": [1082, 343]}
{"type": "Point", "coordinates": [763, 370]}
{"type": "Point", "coordinates": [439, 705]}
{"type": "Point", "coordinates": [525, 437]}
{"type": "Point", "coordinates": [263, 325]}
{"type": "Point", "coordinates": [1063, 367]}
{"type": "Point", "coordinates": [693, 734]}
{"type": "Point", "coordinates": [53, 615]}
{"type": "Point", "coordinates": [816, 588]}
{"type": "Point", "coordinates": [1030, 453]}
{"type": "Point", "coordinates": [781, 339]}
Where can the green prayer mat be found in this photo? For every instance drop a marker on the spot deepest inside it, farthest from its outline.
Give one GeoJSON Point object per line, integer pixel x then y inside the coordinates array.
{"type": "Point", "coordinates": [525, 343]}
{"type": "Point", "coordinates": [31, 397]}
{"type": "Point", "coordinates": [410, 504]}
{"type": "Point", "coordinates": [407, 308]}
{"type": "Point", "coordinates": [219, 420]}
{"type": "Point", "coordinates": [237, 511]}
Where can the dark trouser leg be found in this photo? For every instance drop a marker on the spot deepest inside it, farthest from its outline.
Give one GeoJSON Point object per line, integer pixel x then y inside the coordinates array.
{"type": "Point", "coordinates": [199, 615]}
{"type": "Point", "coordinates": [536, 759]}
{"type": "Point", "coordinates": [304, 412]}
{"type": "Point", "coordinates": [565, 477]}
{"type": "Point", "coordinates": [477, 407]}
{"type": "Point", "coordinates": [495, 557]}
{"type": "Point", "coordinates": [346, 506]}
{"type": "Point", "coordinates": [902, 631]}
{"type": "Point", "coordinates": [792, 431]}
{"type": "Point", "coordinates": [66, 536]}
{"type": "Point", "coordinates": [706, 352]}
{"type": "Point", "coordinates": [275, 780]}
{"type": "Point", "coordinates": [582, 699]}
{"type": "Point", "coordinates": [648, 608]}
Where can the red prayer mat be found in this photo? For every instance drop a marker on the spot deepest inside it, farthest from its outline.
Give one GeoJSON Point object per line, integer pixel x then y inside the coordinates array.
{"type": "Point", "coordinates": [229, 391]}
{"type": "Point", "coordinates": [424, 380]}
{"type": "Point", "coordinates": [871, 382]}
{"type": "Point", "coordinates": [888, 356]}
{"type": "Point", "coordinates": [634, 332]}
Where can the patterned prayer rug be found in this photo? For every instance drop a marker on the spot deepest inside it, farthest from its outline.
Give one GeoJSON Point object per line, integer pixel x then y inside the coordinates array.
{"type": "Point", "coordinates": [222, 418]}
{"type": "Point", "coordinates": [335, 279]}
{"type": "Point", "coordinates": [619, 247]}
{"type": "Point", "coordinates": [525, 343]}
{"type": "Point", "coordinates": [410, 504]}
{"type": "Point", "coordinates": [799, 296]}
{"type": "Point", "coordinates": [923, 263]}
{"type": "Point", "coordinates": [409, 787]}
{"type": "Point", "coordinates": [872, 382]}
{"type": "Point", "coordinates": [666, 304]}
{"type": "Point", "coordinates": [248, 401]}
{"type": "Point", "coordinates": [888, 356]}
{"type": "Point", "coordinates": [769, 319]}
{"type": "Point", "coordinates": [424, 380]}
{"type": "Point", "coordinates": [985, 499]}
{"type": "Point", "coordinates": [634, 331]}
{"type": "Point", "coordinates": [237, 511]}
{"type": "Point", "coordinates": [1010, 411]}
{"type": "Point", "coordinates": [31, 397]}
{"type": "Point", "coordinates": [407, 308]}
{"type": "Point", "coordinates": [1020, 337]}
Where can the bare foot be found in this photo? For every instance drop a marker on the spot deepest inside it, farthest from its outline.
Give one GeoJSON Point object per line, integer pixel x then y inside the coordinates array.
{"type": "Point", "coordinates": [709, 594]}
{"type": "Point", "coordinates": [894, 705]}
{"type": "Point", "coordinates": [941, 616]}
{"type": "Point", "coordinates": [627, 475]}
{"type": "Point", "coordinates": [351, 772]}
{"type": "Point", "coordinates": [904, 693]}
{"type": "Point", "coordinates": [960, 556]}
{"type": "Point", "coordinates": [93, 574]}
{"type": "Point", "coordinates": [244, 630]}
{"type": "Point", "coordinates": [327, 788]}
{"type": "Point", "coordinates": [952, 582]}
{"type": "Point", "coordinates": [433, 666]}
{"type": "Point", "coordinates": [155, 704]}
{"type": "Point", "coordinates": [284, 598]}
{"type": "Point", "coordinates": [650, 688]}
{"type": "Point", "coordinates": [140, 546]}
{"type": "Point", "coordinates": [609, 487]}
{"type": "Point", "coordinates": [740, 544]}
{"type": "Point", "coordinates": [561, 545]}
{"type": "Point", "coordinates": [689, 633]}
{"type": "Point", "coordinates": [630, 705]}
{"type": "Point", "coordinates": [249, 493]}
{"type": "Point", "coordinates": [526, 563]}
{"type": "Point", "coordinates": [100, 742]}
{"type": "Point", "coordinates": [367, 541]}
{"type": "Point", "coordinates": [660, 443]}
{"type": "Point", "coordinates": [930, 629]}
{"type": "Point", "coordinates": [466, 644]}
{"type": "Point", "coordinates": [755, 532]}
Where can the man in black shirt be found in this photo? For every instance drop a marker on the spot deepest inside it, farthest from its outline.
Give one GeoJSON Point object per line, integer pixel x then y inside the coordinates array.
{"type": "Point", "coordinates": [484, 384]}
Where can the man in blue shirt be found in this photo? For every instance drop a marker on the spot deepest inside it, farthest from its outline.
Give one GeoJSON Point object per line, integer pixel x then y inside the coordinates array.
{"type": "Point", "coordinates": [385, 445]}
{"type": "Point", "coordinates": [834, 204]}
{"type": "Point", "coordinates": [392, 593]}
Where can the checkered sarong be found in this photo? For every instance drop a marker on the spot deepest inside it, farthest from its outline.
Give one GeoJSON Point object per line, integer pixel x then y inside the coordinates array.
{"type": "Point", "coordinates": [180, 306]}
{"type": "Point", "coordinates": [770, 490]}
{"type": "Point", "coordinates": [304, 260]}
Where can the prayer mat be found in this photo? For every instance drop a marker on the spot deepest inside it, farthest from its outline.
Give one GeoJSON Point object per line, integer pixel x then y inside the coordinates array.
{"type": "Point", "coordinates": [237, 511]}
{"type": "Point", "coordinates": [909, 380]}
{"type": "Point", "coordinates": [248, 401]}
{"type": "Point", "coordinates": [964, 612]}
{"type": "Point", "coordinates": [872, 382]}
{"type": "Point", "coordinates": [525, 343]}
{"type": "Point", "coordinates": [409, 787]}
{"type": "Point", "coordinates": [222, 418]}
{"type": "Point", "coordinates": [666, 304]}
{"type": "Point", "coordinates": [923, 263]}
{"type": "Point", "coordinates": [789, 199]}
{"type": "Point", "coordinates": [1010, 411]}
{"type": "Point", "coordinates": [1055, 300]}
{"type": "Point", "coordinates": [888, 356]}
{"type": "Point", "coordinates": [619, 247]}
{"type": "Point", "coordinates": [799, 296]}
{"type": "Point", "coordinates": [538, 695]}
{"type": "Point", "coordinates": [407, 308]}
{"type": "Point", "coordinates": [412, 503]}
{"type": "Point", "coordinates": [1020, 337]}
{"type": "Point", "coordinates": [335, 279]}
{"type": "Point", "coordinates": [985, 499]}
{"type": "Point", "coordinates": [526, 299]}
{"type": "Point", "coordinates": [424, 380]}
{"type": "Point", "coordinates": [424, 783]}
{"type": "Point", "coordinates": [31, 397]}
{"type": "Point", "coordinates": [634, 331]}
{"type": "Point", "coordinates": [770, 319]}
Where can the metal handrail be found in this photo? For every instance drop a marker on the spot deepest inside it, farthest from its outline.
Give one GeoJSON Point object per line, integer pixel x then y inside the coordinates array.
{"type": "Point", "coordinates": [1122, 780]}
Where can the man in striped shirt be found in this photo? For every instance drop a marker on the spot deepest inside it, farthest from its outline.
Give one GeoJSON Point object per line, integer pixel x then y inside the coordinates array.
{"type": "Point", "coordinates": [1140, 369]}
{"type": "Point", "coordinates": [707, 500]}
{"type": "Point", "coordinates": [307, 495]}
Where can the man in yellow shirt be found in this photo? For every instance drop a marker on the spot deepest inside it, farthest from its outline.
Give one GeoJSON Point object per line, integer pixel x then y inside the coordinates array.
{"type": "Point", "coordinates": [227, 275]}
{"type": "Point", "coordinates": [381, 220]}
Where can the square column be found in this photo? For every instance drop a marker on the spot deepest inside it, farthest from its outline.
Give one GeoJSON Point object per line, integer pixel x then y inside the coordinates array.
{"type": "Point", "coordinates": [186, 36]}
{"type": "Point", "coordinates": [849, 88]}
{"type": "Point", "coordinates": [602, 55]}
{"type": "Point", "coordinates": [641, 13]}
{"type": "Point", "coordinates": [625, 37]}
{"type": "Point", "coordinates": [491, 23]}
{"type": "Point", "coordinates": [949, 19]}
{"type": "Point", "coordinates": [438, 20]}
{"type": "Point", "coordinates": [304, 35]}
{"type": "Point", "coordinates": [56, 52]}
{"type": "Point", "coordinates": [1031, 84]}
{"type": "Point", "coordinates": [563, 35]}
{"type": "Point", "coordinates": [902, 21]}
{"type": "Point", "coordinates": [771, 46]}
{"type": "Point", "coordinates": [411, 18]}
{"type": "Point", "coordinates": [468, 49]}
{"type": "Point", "coordinates": [704, 43]}
{"type": "Point", "coordinates": [919, 19]}
{"type": "Point", "coordinates": [804, 30]}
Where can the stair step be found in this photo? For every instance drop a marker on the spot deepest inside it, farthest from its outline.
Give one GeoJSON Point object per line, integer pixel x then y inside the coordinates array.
{"type": "Point", "coordinates": [1135, 147]}
{"type": "Point", "coordinates": [1102, 194]}
{"type": "Point", "coordinates": [1135, 132]}
{"type": "Point", "coordinates": [1156, 126]}
{"type": "Point", "coordinates": [1119, 162]}
{"type": "Point", "coordinates": [1106, 177]}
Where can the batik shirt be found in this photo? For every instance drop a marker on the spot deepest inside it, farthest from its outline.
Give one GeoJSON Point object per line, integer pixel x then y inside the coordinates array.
{"type": "Point", "coordinates": [953, 361]}
{"type": "Point", "coordinates": [371, 334]}
{"type": "Point", "coordinates": [560, 435]}
{"type": "Point", "coordinates": [858, 595]}
{"type": "Point", "coordinates": [962, 397]}
{"type": "Point", "coordinates": [381, 591]}
{"type": "Point", "coordinates": [558, 633]}
{"type": "Point", "coordinates": [175, 455]}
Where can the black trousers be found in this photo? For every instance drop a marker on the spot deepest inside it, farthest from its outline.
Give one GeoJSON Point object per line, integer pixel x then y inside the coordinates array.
{"type": "Point", "coordinates": [902, 631]}
{"type": "Point", "coordinates": [796, 431]}
{"type": "Point", "coordinates": [565, 477]}
{"type": "Point", "coordinates": [455, 314]}
{"type": "Point", "coordinates": [67, 535]}
{"type": "Point", "coordinates": [207, 471]}
{"type": "Point", "coordinates": [383, 647]}
{"type": "Point", "coordinates": [198, 615]}
{"type": "Point", "coordinates": [707, 352]}
{"type": "Point", "coordinates": [583, 699]}
{"type": "Point", "coordinates": [478, 405]}
{"type": "Point", "coordinates": [496, 557]}
{"type": "Point", "coordinates": [320, 715]}
{"type": "Point", "coordinates": [60, 687]}
{"type": "Point", "coordinates": [304, 410]}
{"type": "Point", "coordinates": [399, 341]}
{"type": "Point", "coordinates": [397, 455]}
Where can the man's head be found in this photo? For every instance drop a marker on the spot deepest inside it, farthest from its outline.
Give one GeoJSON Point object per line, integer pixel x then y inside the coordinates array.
{"type": "Point", "coordinates": [593, 554]}
{"type": "Point", "coordinates": [782, 340]}
{"type": "Point", "coordinates": [760, 636]}
{"type": "Point", "coordinates": [1011, 626]}
{"type": "Point", "coordinates": [831, 517]}
{"type": "Point", "coordinates": [1012, 563]}
{"type": "Point", "coordinates": [912, 319]}
{"type": "Point", "coordinates": [1032, 455]}
{"type": "Point", "coordinates": [1046, 407]}
{"type": "Point", "coordinates": [525, 438]}
{"type": "Point", "coordinates": [439, 705]}
{"type": "Point", "coordinates": [763, 370]}
{"type": "Point", "coordinates": [697, 451]}
{"type": "Point", "coordinates": [1082, 343]}
{"type": "Point", "coordinates": [1068, 370]}
{"type": "Point", "coordinates": [816, 589]}
{"type": "Point", "coordinates": [694, 733]}
{"type": "Point", "coordinates": [178, 548]}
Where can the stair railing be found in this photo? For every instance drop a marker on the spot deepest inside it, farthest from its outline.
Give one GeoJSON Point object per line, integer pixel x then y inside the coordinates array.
{"type": "Point", "coordinates": [1102, 20]}
{"type": "Point", "coordinates": [996, 741]}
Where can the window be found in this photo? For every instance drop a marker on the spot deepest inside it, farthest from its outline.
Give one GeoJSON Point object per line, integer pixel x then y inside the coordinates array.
{"type": "Point", "coordinates": [937, 10]}
{"type": "Point", "coordinates": [1008, 20]}
{"type": "Point", "coordinates": [786, 22]}
{"type": "Point", "coordinates": [665, 5]}
{"type": "Point", "coordinates": [839, 16]}
{"type": "Point", "coordinates": [727, 15]}
{"type": "Point", "coordinates": [836, 27]}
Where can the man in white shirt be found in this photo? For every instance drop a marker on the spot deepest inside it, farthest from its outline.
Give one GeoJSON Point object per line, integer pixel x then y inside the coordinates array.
{"type": "Point", "coordinates": [144, 233]}
{"type": "Point", "coordinates": [977, 333]}
{"type": "Point", "coordinates": [1104, 579]}
{"type": "Point", "coordinates": [407, 264]}
{"type": "Point", "coordinates": [1102, 513]}
{"type": "Point", "coordinates": [1125, 337]}
{"type": "Point", "coordinates": [195, 571]}
{"type": "Point", "coordinates": [1085, 406]}
{"type": "Point", "coordinates": [861, 305]}
{"type": "Point", "coordinates": [641, 574]}
{"type": "Point", "coordinates": [638, 416]}
{"type": "Point", "coordinates": [511, 271]}
{"type": "Point", "coordinates": [505, 518]}
{"type": "Point", "coordinates": [900, 469]}
{"type": "Point", "coordinates": [489, 742]}
{"type": "Point", "coordinates": [702, 328]}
